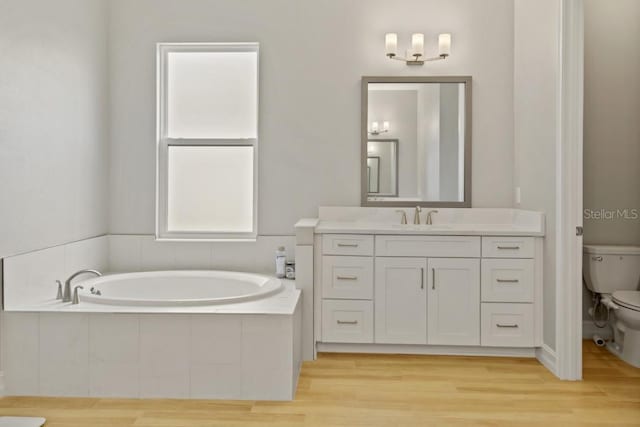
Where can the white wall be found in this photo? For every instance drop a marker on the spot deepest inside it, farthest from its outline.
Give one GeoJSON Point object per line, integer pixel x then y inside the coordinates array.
{"type": "Point", "coordinates": [612, 118]}
{"type": "Point", "coordinates": [313, 54]}
{"type": "Point", "coordinates": [53, 122]}
{"type": "Point", "coordinates": [536, 77]}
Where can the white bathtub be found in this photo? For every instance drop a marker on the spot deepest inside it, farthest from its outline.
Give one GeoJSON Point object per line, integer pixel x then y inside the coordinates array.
{"type": "Point", "coordinates": [178, 288]}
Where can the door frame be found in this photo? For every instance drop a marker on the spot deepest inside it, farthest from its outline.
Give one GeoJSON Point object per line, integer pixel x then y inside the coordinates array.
{"type": "Point", "coordinates": [569, 191]}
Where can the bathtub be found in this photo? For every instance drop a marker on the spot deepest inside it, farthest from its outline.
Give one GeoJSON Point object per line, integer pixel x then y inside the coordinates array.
{"type": "Point", "coordinates": [159, 334]}
{"type": "Point", "coordinates": [178, 288]}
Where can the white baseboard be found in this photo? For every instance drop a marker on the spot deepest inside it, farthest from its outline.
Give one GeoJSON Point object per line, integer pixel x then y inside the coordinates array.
{"type": "Point", "coordinates": [547, 356]}
{"type": "Point", "coordinates": [426, 350]}
{"type": "Point", "coordinates": [589, 329]}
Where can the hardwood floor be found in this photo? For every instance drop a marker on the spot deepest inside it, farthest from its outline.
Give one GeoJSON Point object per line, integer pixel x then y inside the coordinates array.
{"type": "Point", "coordinates": [388, 390]}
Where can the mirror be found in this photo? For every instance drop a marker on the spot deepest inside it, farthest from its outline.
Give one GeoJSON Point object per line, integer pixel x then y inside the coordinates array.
{"type": "Point", "coordinates": [382, 167]}
{"type": "Point", "coordinates": [416, 141]}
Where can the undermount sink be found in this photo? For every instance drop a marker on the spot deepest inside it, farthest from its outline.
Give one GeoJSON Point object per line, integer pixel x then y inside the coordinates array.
{"type": "Point", "coordinates": [422, 226]}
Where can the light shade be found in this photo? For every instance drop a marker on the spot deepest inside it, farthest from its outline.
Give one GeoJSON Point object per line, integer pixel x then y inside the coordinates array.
{"type": "Point", "coordinates": [444, 44]}
{"type": "Point", "coordinates": [417, 44]}
{"type": "Point", "coordinates": [391, 44]}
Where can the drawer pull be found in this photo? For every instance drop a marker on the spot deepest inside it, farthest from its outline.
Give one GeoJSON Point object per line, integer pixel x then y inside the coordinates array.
{"type": "Point", "coordinates": [500, 325]}
{"type": "Point", "coordinates": [347, 277]}
{"type": "Point", "coordinates": [507, 280]}
{"type": "Point", "coordinates": [422, 278]}
{"type": "Point", "coordinates": [433, 278]}
{"type": "Point", "coordinates": [513, 248]}
{"type": "Point", "coordinates": [347, 322]}
{"type": "Point", "coordinates": [347, 245]}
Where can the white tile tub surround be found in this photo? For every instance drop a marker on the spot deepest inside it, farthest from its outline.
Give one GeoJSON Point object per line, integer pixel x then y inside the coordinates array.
{"type": "Point", "coordinates": [143, 253]}
{"type": "Point", "coordinates": [30, 278]}
{"type": "Point", "coordinates": [226, 356]}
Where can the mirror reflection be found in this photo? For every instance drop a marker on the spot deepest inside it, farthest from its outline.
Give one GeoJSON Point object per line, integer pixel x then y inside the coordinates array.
{"type": "Point", "coordinates": [416, 142]}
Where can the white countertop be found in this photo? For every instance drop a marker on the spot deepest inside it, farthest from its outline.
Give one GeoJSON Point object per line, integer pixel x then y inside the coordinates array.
{"type": "Point", "coordinates": [339, 227]}
{"type": "Point", "coordinates": [283, 303]}
{"type": "Point", "coordinates": [447, 222]}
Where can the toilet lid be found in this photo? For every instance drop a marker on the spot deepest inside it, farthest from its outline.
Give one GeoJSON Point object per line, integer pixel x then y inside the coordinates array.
{"type": "Point", "coordinates": [629, 299]}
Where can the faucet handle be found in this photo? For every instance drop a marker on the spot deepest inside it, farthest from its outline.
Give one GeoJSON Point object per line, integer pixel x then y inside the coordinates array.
{"type": "Point", "coordinates": [403, 220]}
{"type": "Point", "coordinates": [76, 299]}
{"type": "Point", "coordinates": [59, 294]}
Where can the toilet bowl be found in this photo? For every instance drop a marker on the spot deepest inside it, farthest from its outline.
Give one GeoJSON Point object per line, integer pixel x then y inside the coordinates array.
{"type": "Point", "coordinates": [613, 272]}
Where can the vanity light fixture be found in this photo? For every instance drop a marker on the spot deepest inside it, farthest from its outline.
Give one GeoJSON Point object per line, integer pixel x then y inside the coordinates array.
{"type": "Point", "coordinates": [375, 128]}
{"type": "Point", "coordinates": [415, 55]}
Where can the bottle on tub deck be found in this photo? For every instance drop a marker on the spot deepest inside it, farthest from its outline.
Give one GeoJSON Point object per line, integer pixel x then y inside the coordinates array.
{"type": "Point", "coordinates": [281, 260]}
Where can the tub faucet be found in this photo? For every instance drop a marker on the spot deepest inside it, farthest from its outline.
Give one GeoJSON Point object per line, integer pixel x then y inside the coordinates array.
{"type": "Point", "coordinates": [66, 296]}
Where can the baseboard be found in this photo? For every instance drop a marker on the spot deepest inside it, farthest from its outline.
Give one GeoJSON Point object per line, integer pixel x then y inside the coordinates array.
{"type": "Point", "coordinates": [547, 356]}
{"type": "Point", "coordinates": [426, 350]}
{"type": "Point", "coordinates": [589, 329]}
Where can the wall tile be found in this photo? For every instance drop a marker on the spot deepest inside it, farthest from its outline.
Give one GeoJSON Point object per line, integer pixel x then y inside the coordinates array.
{"type": "Point", "coordinates": [87, 254]}
{"type": "Point", "coordinates": [156, 255]}
{"type": "Point", "coordinates": [125, 253]}
{"type": "Point", "coordinates": [64, 354]}
{"type": "Point", "coordinates": [20, 357]}
{"type": "Point", "coordinates": [164, 355]}
{"type": "Point", "coordinates": [192, 255]}
{"type": "Point", "coordinates": [216, 339]}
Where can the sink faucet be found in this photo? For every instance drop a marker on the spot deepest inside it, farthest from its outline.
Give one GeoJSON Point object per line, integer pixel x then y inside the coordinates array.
{"type": "Point", "coordinates": [416, 216]}
{"type": "Point", "coordinates": [429, 218]}
{"type": "Point", "coordinates": [403, 220]}
{"type": "Point", "coordinates": [66, 296]}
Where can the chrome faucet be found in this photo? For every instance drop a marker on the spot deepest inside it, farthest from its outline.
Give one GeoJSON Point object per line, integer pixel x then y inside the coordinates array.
{"type": "Point", "coordinates": [429, 218]}
{"type": "Point", "coordinates": [66, 296]}
{"type": "Point", "coordinates": [416, 215]}
{"type": "Point", "coordinates": [403, 220]}
{"type": "Point", "coordinates": [76, 300]}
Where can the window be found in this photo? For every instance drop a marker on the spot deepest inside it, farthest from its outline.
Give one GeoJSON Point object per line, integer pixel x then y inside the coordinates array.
{"type": "Point", "coordinates": [207, 141]}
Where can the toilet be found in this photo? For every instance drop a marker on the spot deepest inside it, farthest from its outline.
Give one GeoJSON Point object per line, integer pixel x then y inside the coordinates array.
{"type": "Point", "coordinates": [613, 272]}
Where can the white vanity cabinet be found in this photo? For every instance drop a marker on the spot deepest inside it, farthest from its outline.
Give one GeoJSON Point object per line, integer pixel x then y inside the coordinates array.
{"type": "Point", "coordinates": [472, 285]}
{"type": "Point", "coordinates": [428, 290]}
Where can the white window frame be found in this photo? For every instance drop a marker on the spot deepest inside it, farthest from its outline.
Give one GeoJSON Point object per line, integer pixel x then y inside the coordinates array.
{"type": "Point", "coordinates": [163, 142]}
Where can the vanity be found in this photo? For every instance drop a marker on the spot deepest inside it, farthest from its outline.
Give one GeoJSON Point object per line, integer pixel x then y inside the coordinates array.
{"type": "Point", "coordinates": [415, 268]}
{"type": "Point", "coordinates": [470, 283]}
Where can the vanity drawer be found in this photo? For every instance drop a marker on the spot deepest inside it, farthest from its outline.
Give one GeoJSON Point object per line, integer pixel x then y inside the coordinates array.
{"type": "Point", "coordinates": [347, 277]}
{"type": "Point", "coordinates": [348, 321]}
{"type": "Point", "coordinates": [507, 280]}
{"type": "Point", "coordinates": [508, 247]}
{"type": "Point", "coordinates": [347, 244]}
{"type": "Point", "coordinates": [429, 246]}
{"type": "Point", "coordinates": [506, 325]}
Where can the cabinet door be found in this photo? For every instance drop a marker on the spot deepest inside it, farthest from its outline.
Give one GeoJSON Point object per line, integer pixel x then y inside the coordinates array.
{"type": "Point", "coordinates": [454, 301]}
{"type": "Point", "coordinates": [400, 300]}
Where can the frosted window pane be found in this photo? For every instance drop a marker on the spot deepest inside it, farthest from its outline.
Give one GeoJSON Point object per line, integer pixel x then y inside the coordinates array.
{"type": "Point", "coordinates": [210, 189]}
{"type": "Point", "coordinates": [212, 94]}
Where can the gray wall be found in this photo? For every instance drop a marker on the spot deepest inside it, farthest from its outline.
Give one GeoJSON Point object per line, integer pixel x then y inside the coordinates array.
{"type": "Point", "coordinates": [449, 142]}
{"type": "Point", "coordinates": [612, 118]}
{"type": "Point", "coordinates": [313, 54]}
{"type": "Point", "coordinates": [611, 121]}
{"type": "Point", "coordinates": [536, 76]}
{"type": "Point", "coordinates": [400, 108]}
{"type": "Point", "coordinates": [53, 122]}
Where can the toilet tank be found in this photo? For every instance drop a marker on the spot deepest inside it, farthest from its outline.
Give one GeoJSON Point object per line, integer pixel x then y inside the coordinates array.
{"type": "Point", "coordinates": [611, 268]}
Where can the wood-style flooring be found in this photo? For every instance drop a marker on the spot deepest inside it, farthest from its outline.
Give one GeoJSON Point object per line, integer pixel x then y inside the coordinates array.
{"type": "Point", "coordinates": [388, 390]}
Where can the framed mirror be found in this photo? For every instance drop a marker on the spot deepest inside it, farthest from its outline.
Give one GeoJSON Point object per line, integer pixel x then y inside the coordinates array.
{"type": "Point", "coordinates": [416, 141]}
